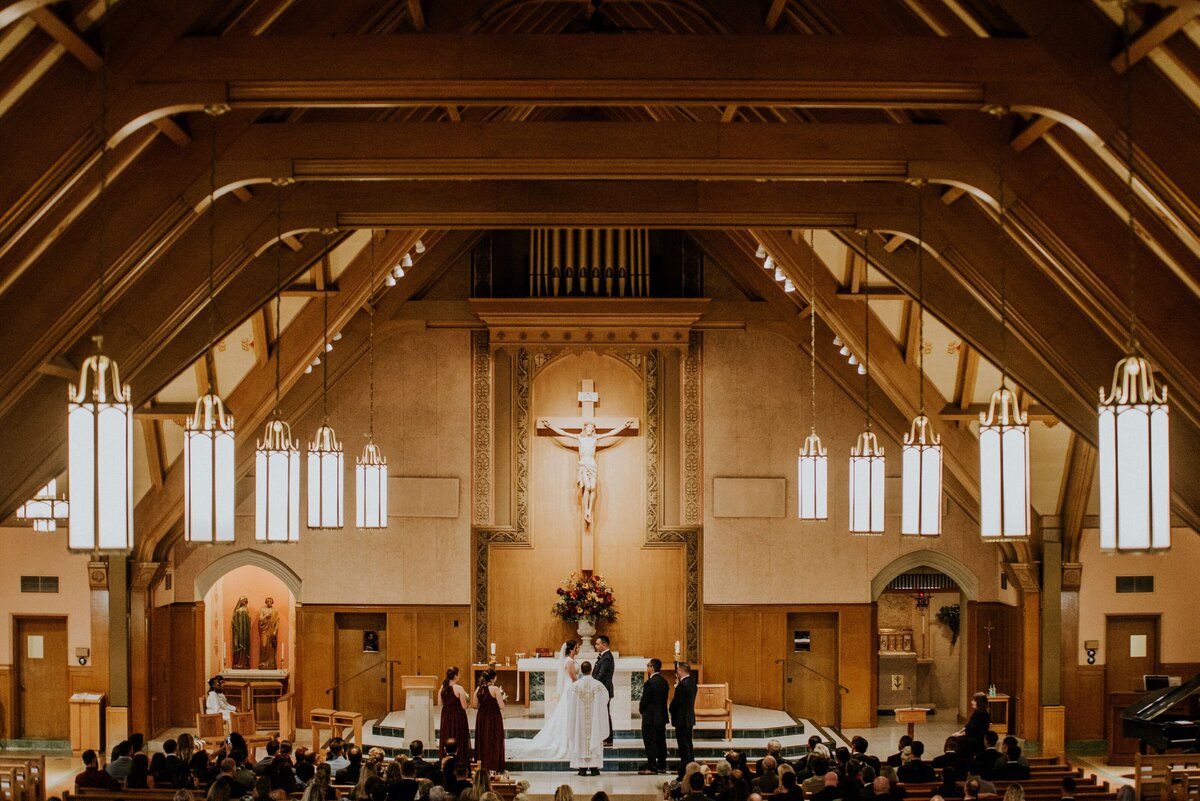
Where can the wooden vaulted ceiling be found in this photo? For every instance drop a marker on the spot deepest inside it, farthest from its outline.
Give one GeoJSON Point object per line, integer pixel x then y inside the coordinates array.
{"type": "Point", "coordinates": [737, 120]}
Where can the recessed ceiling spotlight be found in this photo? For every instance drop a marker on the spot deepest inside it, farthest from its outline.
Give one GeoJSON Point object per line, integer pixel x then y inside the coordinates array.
{"type": "Point", "coordinates": [406, 261]}
{"type": "Point", "coordinates": [761, 253]}
{"type": "Point", "coordinates": [788, 286]}
{"type": "Point", "coordinates": [420, 246]}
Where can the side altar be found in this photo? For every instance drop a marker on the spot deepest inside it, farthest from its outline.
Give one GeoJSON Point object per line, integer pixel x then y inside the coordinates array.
{"type": "Point", "coordinates": [622, 702]}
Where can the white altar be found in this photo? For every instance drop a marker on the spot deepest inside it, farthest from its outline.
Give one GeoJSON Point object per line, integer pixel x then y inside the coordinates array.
{"type": "Point", "coordinates": [622, 702]}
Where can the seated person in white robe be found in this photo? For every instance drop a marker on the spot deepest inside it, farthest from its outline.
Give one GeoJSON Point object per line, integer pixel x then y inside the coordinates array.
{"type": "Point", "coordinates": [587, 722]}
{"type": "Point", "coordinates": [215, 702]}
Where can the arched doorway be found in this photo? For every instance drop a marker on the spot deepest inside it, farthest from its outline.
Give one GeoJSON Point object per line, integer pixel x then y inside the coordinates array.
{"type": "Point", "coordinates": [250, 601]}
{"type": "Point", "coordinates": [922, 654]}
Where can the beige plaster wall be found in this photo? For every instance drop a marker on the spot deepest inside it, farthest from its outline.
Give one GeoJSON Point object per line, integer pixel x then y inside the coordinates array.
{"type": "Point", "coordinates": [30, 553]}
{"type": "Point", "coordinates": [1174, 595]}
{"type": "Point", "coordinates": [755, 390]}
{"type": "Point", "coordinates": [423, 426]}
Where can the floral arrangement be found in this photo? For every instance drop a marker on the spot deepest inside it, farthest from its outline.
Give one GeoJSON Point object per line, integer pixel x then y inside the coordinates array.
{"type": "Point", "coordinates": [585, 597]}
{"type": "Point", "coordinates": [948, 616]}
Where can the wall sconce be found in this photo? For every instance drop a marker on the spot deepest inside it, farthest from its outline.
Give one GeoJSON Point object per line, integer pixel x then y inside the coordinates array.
{"type": "Point", "coordinates": [82, 655]}
{"type": "Point", "coordinates": [1091, 646]}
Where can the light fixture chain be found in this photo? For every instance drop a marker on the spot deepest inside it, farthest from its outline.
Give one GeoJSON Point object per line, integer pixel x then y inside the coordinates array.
{"type": "Point", "coordinates": [866, 290]}
{"type": "Point", "coordinates": [278, 288]}
{"type": "Point", "coordinates": [1003, 273]}
{"type": "Point", "coordinates": [209, 368]}
{"type": "Point", "coordinates": [324, 334]}
{"type": "Point", "coordinates": [371, 345]}
{"type": "Point", "coordinates": [812, 331]}
{"type": "Point", "coordinates": [102, 196]}
{"type": "Point", "coordinates": [921, 298]}
{"type": "Point", "coordinates": [1130, 196]}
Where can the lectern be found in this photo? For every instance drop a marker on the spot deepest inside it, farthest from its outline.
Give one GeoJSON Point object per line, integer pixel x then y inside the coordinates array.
{"type": "Point", "coordinates": [911, 715]}
{"type": "Point", "coordinates": [418, 707]}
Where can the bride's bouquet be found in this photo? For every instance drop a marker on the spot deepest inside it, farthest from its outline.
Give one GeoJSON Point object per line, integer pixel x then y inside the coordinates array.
{"type": "Point", "coordinates": [585, 598]}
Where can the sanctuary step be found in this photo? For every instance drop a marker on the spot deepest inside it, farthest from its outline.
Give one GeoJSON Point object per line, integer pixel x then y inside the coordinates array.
{"type": "Point", "coordinates": [752, 728]}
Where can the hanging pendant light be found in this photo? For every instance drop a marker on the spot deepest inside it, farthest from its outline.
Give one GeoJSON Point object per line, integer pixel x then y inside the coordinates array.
{"type": "Point", "coordinates": [100, 415]}
{"type": "Point", "coordinates": [371, 472]}
{"type": "Point", "coordinates": [1134, 453]}
{"type": "Point", "coordinates": [921, 455]}
{"type": "Point", "coordinates": [100, 436]}
{"type": "Point", "coordinates": [45, 509]}
{"type": "Point", "coordinates": [866, 457]}
{"type": "Point", "coordinates": [813, 463]}
{"type": "Point", "coordinates": [277, 458]}
{"type": "Point", "coordinates": [326, 462]}
{"type": "Point", "coordinates": [1003, 443]}
{"type": "Point", "coordinates": [208, 441]}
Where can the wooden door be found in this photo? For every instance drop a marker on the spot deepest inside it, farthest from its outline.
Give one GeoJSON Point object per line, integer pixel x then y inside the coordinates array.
{"type": "Point", "coordinates": [360, 674]}
{"type": "Point", "coordinates": [42, 683]}
{"type": "Point", "coordinates": [810, 678]}
{"type": "Point", "coordinates": [1131, 651]}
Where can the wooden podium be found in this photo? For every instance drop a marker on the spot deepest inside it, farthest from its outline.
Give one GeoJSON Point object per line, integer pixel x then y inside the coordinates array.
{"type": "Point", "coordinates": [418, 707]}
{"type": "Point", "coordinates": [911, 715]}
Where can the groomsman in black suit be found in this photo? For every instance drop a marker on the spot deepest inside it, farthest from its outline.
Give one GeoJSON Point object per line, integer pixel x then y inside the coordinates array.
{"type": "Point", "coordinates": [603, 672]}
{"type": "Point", "coordinates": [683, 713]}
{"type": "Point", "coordinates": [653, 707]}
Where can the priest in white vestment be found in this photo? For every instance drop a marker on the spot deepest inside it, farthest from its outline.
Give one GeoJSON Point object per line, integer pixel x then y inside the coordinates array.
{"type": "Point", "coordinates": [587, 722]}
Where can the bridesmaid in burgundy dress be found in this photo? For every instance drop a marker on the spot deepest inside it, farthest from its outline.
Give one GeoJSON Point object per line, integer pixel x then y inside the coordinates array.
{"type": "Point", "coordinates": [454, 717]}
{"type": "Point", "coordinates": [489, 723]}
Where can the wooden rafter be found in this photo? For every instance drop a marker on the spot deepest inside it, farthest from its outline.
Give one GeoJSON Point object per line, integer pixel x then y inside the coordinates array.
{"type": "Point", "coordinates": [68, 37]}
{"type": "Point", "coordinates": [1157, 34]}
{"type": "Point", "coordinates": [262, 343]}
{"type": "Point", "coordinates": [416, 14]}
{"type": "Point", "coordinates": [1079, 471]}
{"type": "Point", "coordinates": [156, 456]}
{"type": "Point", "coordinates": [774, 13]}
{"type": "Point", "coordinates": [965, 376]}
{"type": "Point", "coordinates": [912, 328]}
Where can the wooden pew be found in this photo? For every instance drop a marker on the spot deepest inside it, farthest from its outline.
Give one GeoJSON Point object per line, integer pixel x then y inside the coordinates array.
{"type": "Point", "coordinates": [1150, 772]}
{"type": "Point", "coordinates": [32, 772]}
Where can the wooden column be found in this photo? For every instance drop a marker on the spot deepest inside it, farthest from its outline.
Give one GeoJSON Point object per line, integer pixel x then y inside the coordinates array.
{"type": "Point", "coordinates": [1028, 715]}
{"type": "Point", "coordinates": [140, 601]}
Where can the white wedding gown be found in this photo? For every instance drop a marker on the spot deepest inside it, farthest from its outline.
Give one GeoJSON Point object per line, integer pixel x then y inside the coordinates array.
{"type": "Point", "coordinates": [551, 741]}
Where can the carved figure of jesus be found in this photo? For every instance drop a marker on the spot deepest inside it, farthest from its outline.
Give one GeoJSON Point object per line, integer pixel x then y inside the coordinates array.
{"type": "Point", "coordinates": [587, 442]}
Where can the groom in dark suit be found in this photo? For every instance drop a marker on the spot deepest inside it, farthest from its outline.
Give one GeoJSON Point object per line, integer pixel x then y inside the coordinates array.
{"type": "Point", "coordinates": [603, 672]}
{"type": "Point", "coordinates": [683, 713]}
{"type": "Point", "coordinates": [653, 707]}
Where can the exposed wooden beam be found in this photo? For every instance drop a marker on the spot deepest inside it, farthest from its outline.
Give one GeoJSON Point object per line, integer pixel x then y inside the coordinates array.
{"type": "Point", "coordinates": [310, 291]}
{"type": "Point", "coordinates": [912, 328]}
{"type": "Point", "coordinates": [68, 37]}
{"type": "Point", "coordinates": [875, 293]}
{"type": "Point", "coordinates": [321, 272]}
{"type": "Point", "coordinates": [953, 411]}
{"type": "Point", "coordinates": [242, 193]}
{"type": "Point", "coordinates": [173, 131]}
{"type": "Point", "coordinates": [952, 194]}
{"type": "Point", "coordinates": [169, 410]}
{"type": "Point", "coordinates": [774, 13]}
{"type": "Point", "coordinates": [262, 344]}
{"type": "Point", "coordinates": [965, 376]}
{"type": "Point", "coordinates": [60, 368]}
{"type": "Point", "coordinates": [1033, 131]}
{"type": "Point", "coordinates": [156, 458]}
{"type": "Point", "coordinates": [416, 14]}
{"type": "Point", "coordinates": [201, 370]}
{"type": "Point", "coordinates": [1079, 471]}
{"type": "Point", "coordinates": [453, 114]}
{"type": "Point", "coordinates": [1154, 35]}
{"type": "Point", "coordinates": [729, 113]}
{"type": "Point", "coordinates": [13, 10]}
{"type": "Point", "coordinates": [894, 242]}
{"type": "Point", "coordinates": [293, 242]}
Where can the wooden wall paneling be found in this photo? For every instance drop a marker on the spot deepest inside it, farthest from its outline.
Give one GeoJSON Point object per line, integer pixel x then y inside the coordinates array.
{"type": "Point", "coordinates": [856, 637]}
{"type": "Point", "coordinates": [1006, 637]}
{"type": "Point", "coordinates": [6, 702]}
{"type": "Point", "coordinates": [401, 646]}
{"type": "Point", "coordinates": [159, 662]}
{"type": "Point", "coordinates": [1029, 677]}
{"type": "Point", "coordinates": [716, 649]}
{"type": "Point", "coordinates": [186, 681]}
{"type": "Point", "coordinates": [314, 651]}
{"type": "Point", "coordinates": [1083, 695]}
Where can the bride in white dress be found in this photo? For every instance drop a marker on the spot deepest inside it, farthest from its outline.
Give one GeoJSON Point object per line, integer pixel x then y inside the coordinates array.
{"type": "Point", "coordinates": [551, 741]}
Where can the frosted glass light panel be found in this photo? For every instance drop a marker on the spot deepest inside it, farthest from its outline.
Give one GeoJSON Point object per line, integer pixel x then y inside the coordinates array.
{"type": "Point", "coordinates": [208, 457]}
{"type": "Point", "coordinates": [921, 508]}
{"type": "Point", "coordinates": [45, 509]}
{"type": "Point", "coordinates": [813, 480]}
{"type": "Point", "coordinates": [371, 489]}
{"type": "Point", "coordinates": [1135, 479]}
{"type": "Point", "coordinates": [100, 459]}
{"type": "Point", "coordinates": [326, 481]}
{"type": "Point", "coordinates": [277, 485]}
{"type": "Point", "coordinates": [1003, 469]}
{"type": "Point", "coordinates": [866, 485]}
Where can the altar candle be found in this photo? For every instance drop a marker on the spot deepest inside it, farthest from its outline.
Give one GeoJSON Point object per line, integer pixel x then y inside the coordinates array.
{"type": "Point", "coordinates": [493, 649]}
{"type": "Point", "coordinates": [677, 648]}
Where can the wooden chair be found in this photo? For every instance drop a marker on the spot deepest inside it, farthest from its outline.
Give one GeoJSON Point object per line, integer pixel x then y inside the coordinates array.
{"type": "Point", "coordinates": [210, 728]}
{"type": "Point", "coordinates": [712, 703]}
{"type": "Point", "coordinates": [245, 724]}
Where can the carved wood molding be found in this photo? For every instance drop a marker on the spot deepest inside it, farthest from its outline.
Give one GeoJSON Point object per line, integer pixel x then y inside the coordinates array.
{"type": "Point", "coordinates": [481, 435]}
{"type": "Point", "coordinates": [98, 574]}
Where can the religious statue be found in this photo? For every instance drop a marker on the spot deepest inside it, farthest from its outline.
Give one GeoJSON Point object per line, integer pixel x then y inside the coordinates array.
{"type": "Point", "coordinates": [587, 441]}
{"type": "Point", "coordinates": [268, 635]}
{"type": "Point", "coordinates": [241, 633]}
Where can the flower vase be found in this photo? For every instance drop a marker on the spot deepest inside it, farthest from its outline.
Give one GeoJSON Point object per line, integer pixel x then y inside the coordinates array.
{"type": "Point", "coordinates": [586, 628]}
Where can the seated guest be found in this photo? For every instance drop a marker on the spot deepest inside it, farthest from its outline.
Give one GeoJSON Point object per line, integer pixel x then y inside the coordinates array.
{"type": "Point", "coordinates": [122, 761]}
{"type": "Point", "coordinates": [775, 751]}
{"type": "Point", "coordinates": [220, 790]}
{"type": "Point", "coordinates": [448, 762]}
{"type": "Point", "coordinates": [841, 756]}
{"type": "Point", "coordinates": [1012, 770]}
{"type": "Point", "coordinates": [851, 785]}
{"type": "Point", "coordinates": [137, 743]}
{"type": "Point", "coordinates": [261, 791]}
{"type": "Point", "coordinates": [889, 773]}
{"type": "Point", "coordinates": [858, 747]}
{"type": "Point", "coordinates": [264, 766]}
{"type": "Point", "coordinates": [215, 702]}
{"type": "Point", "coordinates": [320, 788]}
{"type": "Point", "coordinates": [818, 766]}
{"type": "Point", "coordinates": [949, 787]}
{"type": "Point", "coordinates": [349, 774]}
{"type": "Point", "coordinates": [949, 755]}
{"type": "Point", "coordinates": [368, 779]}
{"type": "Point", "coordinates": [791, 788]}
{"type": "Point", "coordinates": [1068, 788]}
{"type": "Point", "coordinates": [401, 780]}
{"type": "Point", "coordinates": [768, 777]}
{"type": "Point", "coordinates": [867, 777]}
{"type": "Point", "coordinates": [243, 777]}
{"type": "Point", "coordinates": [424, 788]}
{"type": "Point", "coordinates": [984, 764]}
{"type": "Point", "coordinates": [92, 776]}
{"type": "Point", "coordinates": [462, 779]}
{"type": "Point", "coordinates": [282, 774]}
{"type": "Point", "coordinates": [423, 767]}
{"type": "Point", "coordinates": [139, 773]}
{"type": "Point", "coordinates": [171, 770]}
{"type": "Point", "coordinates": [881, 789]}
{"type": "Point", "coordinates": [695, 788]}
{"type": "Point", "coordinates": [897, 759]}
{"type": "Point", "coordinates": [830, 791]}
{"type": "Point", "coordinates": [306, 767]}
{"type": "Point", "coordinates": [917, 770]}
{"type": "Point", "coordinates": [1009, 742]}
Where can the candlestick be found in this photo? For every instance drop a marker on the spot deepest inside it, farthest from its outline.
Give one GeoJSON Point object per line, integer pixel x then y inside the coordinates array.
{"type": "Point", "coordinates": [677, 648]}
{"type": "Point", "coordinates": [493, 649]}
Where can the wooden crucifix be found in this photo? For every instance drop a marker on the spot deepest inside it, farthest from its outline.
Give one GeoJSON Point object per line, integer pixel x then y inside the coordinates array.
{"type": "Point", "coordinates": [587, 434]}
